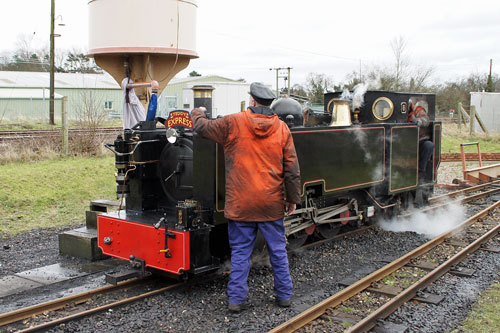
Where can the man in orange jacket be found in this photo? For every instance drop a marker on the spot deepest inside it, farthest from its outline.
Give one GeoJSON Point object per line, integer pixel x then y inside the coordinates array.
{"type": "Point", "coordinates": [260, 158]}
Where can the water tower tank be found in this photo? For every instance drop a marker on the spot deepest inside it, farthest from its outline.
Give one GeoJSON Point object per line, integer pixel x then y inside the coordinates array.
{"type": "Point", "coordinates": [155, 38]}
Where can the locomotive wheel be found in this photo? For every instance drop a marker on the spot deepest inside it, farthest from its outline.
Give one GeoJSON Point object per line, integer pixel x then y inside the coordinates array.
{"type": "Point", "coordinates": [296, 240]}
{"type": "Point", "coordinates": [327, 230]}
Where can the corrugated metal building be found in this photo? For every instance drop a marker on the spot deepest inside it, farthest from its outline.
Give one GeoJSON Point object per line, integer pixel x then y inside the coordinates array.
{"type": "Point", "coordinates": [227, 96]}
{"type": "Point", "coordinates": [24, 105]}
{"type": "Point", "coordinates": [488, 108]}
{"type": "Point", "coordinates": [25, 95]}
{"type": "Point", "coordinates": [82, 90]}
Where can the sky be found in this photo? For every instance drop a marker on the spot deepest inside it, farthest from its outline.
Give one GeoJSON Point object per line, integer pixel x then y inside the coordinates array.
{"type": "Point", "coordinates": [244, 39]}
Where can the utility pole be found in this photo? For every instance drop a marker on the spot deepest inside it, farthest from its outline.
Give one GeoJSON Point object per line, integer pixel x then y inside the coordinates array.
{"type": "Point", "coordinates": [490, 87]}
{"type": "Point", "coordinates": [52, 57]}
{"type": "Point", "coordinates": [288, 91]}
{"type": "Point", "coordinates": [277, 69]}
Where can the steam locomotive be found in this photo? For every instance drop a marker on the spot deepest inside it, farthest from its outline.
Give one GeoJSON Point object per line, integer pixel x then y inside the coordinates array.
{"type": "Point", "coordinates": [357, 162]}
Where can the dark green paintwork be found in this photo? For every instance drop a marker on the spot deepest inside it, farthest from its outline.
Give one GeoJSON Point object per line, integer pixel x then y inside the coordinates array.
{"type": "Point", "coordinates": [323, 159]}
{"type": "Point", "coordinates": [340, 158]}
{"type": "Point", "coordinates": [404, 158]}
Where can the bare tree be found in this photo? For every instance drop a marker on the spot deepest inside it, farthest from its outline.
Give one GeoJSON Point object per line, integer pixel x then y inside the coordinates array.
{"type": "Point", "coordinates": [317, 85]}
{"type": "Point", "coordinates": [419, 77]}
{"type": "Point", "coordinates": [90, 115]}
{"type": "Point", "coordinates": [398, 45]}
{"type": "Point", "coordinates": [60, 58]}
{"type": "Point", "coordinates": [24, 48]}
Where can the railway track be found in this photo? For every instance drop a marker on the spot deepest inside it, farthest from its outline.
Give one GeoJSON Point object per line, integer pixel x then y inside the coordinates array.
{"type": "Point", "coordinates": [53, 318]}
{"type": "Point", "coordinates": [427, 274]}
{"type": "Point", "coordinates": [13, 136]}
{"type": "Point", "coordinates": [21, 318]}
{"type": "Point", "coordinates": [459, 197]}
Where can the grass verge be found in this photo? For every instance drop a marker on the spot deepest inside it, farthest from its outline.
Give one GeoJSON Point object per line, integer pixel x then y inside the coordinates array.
{"type": "Point", "coordinates": [52, 192]}
{"type": "Point", "coordinates": [453, 137]}
{"type": "Point", "coordinates": [484, 315]}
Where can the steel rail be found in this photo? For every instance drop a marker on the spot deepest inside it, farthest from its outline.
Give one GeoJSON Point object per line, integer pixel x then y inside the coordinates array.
{"type": "Point", "coordinates": [27, 312]}
{"type": "Point", "coordinates": [37, 132]}
{"type": "Point", "coordinates": [461, 200]}
{"type": "Point", "coordinates": [385, 310]}
{"type": "Point", "coordinates": [317, 310]}
{"type": "Point", "coordinates": [100, 308]}
{"type": "Point", "coordinates": [466, 190]}
{"type": "Point", "coordinates": [29, 135]}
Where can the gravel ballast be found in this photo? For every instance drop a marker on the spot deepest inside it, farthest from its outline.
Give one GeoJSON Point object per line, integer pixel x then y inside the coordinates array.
{"type": "Point", "coordinates": [316, 274]}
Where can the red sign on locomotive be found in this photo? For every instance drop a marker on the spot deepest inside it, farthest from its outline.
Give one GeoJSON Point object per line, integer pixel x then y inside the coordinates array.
{"type": "Point", "coordinates": [179, 118]}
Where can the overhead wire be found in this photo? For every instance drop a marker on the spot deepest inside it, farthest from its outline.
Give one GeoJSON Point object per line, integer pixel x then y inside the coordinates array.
{"type": "Point", "coordinates": [275, 45]}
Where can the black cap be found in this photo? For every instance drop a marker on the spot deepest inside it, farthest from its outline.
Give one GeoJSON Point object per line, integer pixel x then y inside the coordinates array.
{"type": "Point", "coordinates": [262, 94]}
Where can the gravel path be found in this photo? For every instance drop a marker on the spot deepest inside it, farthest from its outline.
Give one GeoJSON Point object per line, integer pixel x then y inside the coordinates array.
{"type": "Point", "coordinates": [29, 250]}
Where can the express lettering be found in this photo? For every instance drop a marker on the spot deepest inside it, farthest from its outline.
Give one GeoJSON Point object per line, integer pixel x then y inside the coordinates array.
{"type": "Point", "coordinates": [179, 118]}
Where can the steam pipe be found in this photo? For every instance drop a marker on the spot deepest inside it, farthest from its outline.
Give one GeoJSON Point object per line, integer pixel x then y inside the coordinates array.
{"type": "Point", "coordinates": [153, 84]}
{"type": "Point", "coordinates": [377, 203]}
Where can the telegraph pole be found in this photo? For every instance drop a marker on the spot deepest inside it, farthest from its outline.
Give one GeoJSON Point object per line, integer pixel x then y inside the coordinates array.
{"type": "Point", "coordinates": [277, 69]}
{"type": "Point", "coordinates": [52, 69]}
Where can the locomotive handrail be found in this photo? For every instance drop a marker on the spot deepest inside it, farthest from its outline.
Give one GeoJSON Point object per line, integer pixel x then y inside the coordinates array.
{"type": "Point", "coordinates": [108, 145]}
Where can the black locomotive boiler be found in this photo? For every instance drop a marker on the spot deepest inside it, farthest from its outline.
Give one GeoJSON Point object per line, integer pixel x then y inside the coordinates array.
{"type": "Point", "coordinates": [357, 162]}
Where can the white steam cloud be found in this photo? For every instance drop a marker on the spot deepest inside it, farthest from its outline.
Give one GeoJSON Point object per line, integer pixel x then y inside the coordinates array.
{"type": "Point", "coordinates": [346, 94]}
{"type": "Point", "coordinates": [358, 98]}
{"type": "Point", "coordinates": [430, 224]}
{"type": "Point", "coordinates": [361, 140]}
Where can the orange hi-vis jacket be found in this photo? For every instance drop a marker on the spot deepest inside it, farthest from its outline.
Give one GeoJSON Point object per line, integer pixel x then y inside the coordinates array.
{"type": "Point", "coordinates": [260, 158]}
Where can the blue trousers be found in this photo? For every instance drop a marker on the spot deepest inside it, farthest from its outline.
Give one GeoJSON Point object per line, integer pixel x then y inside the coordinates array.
{"type": "Point", "coordinates": [241, 239]}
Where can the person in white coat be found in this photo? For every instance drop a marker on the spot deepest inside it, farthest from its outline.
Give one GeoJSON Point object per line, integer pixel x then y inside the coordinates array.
{"type": "Point", "coordinates": [133, 110]}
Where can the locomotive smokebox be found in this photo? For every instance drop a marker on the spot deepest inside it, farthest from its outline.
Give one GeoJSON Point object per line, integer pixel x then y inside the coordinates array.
{"type": "Point", "coordinates": [203, 98]}
{"type": "Point", "coordinates": [288, 110]}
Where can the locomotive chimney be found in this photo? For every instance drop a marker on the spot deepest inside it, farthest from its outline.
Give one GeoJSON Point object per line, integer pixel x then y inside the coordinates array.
{"type": "Point", "coordinates": [203, 97]}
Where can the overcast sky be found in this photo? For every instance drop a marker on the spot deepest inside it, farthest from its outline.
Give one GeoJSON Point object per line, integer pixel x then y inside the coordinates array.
{"type": "Point", "coordinates": [243, 39]}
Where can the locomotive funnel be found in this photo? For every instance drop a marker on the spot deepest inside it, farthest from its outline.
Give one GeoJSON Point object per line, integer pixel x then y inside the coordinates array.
{"type": "Point", "coordinates": [149, 39]}
{"type": "Point", "coordinates": [203, 98]}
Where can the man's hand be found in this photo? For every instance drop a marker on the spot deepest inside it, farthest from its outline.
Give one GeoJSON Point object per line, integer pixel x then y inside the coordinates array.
{"type": "Point", "coordinates": [290, 208]}
{"type": "Point", "coordinates": [201, 109]}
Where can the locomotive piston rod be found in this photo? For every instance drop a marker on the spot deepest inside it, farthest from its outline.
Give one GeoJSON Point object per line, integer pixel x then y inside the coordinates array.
{"type": "Point", "coordinates": [320, 216]}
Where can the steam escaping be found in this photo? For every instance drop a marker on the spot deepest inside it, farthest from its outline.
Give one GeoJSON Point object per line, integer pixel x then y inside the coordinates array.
{"type": "Point", "coordinates": [260, 259]}
{"type": "Point", "coordinates": [346, 94]}
{"type": "Point", "coordinates": [430, 224]}
{"type": "Point", "coordinates": [361, 140]}
{"type": "Point", "coordinates": [358, 98]}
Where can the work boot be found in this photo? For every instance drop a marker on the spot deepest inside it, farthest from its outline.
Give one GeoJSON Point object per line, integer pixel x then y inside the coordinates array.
{"type": "Point", "coordinates": [235, 308]}
{"type": "Point", "coordinates": [284, 303]}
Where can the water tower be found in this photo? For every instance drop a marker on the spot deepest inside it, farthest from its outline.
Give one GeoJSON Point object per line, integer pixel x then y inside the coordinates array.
{"type": "Point", "coordinates": [142, 39]}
